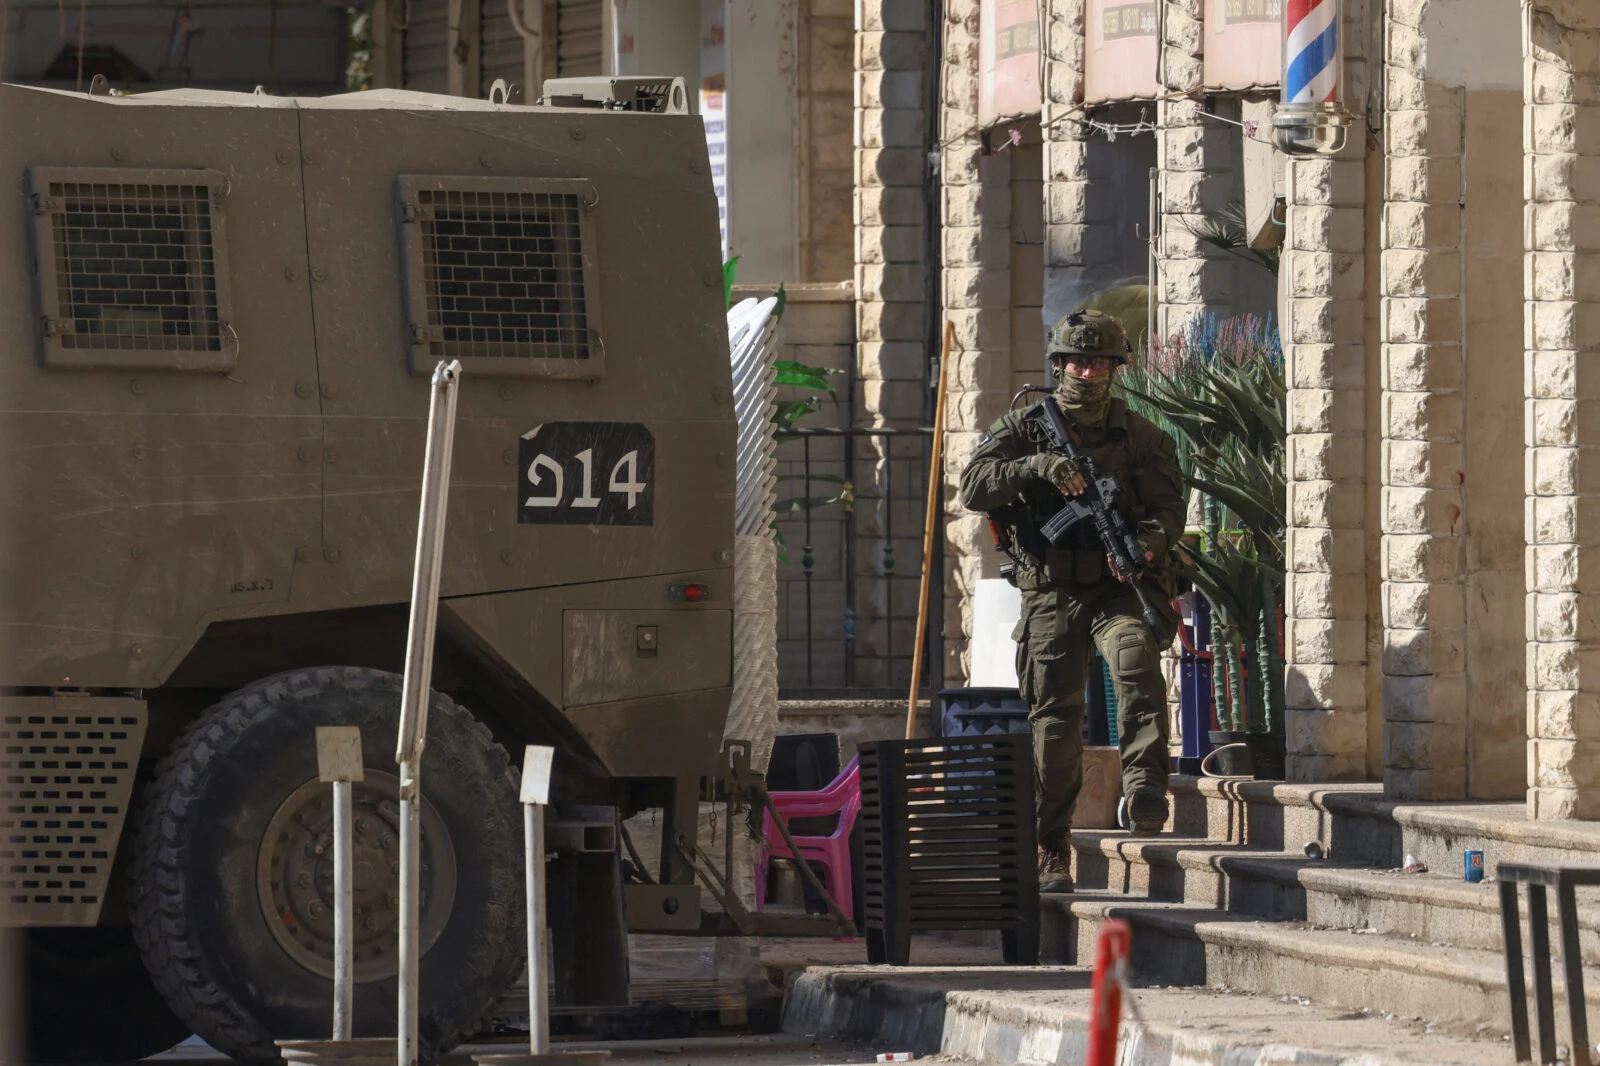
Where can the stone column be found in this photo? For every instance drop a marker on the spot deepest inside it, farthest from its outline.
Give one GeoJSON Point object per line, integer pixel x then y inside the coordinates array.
{"type": "Point", "coordinates": [1561, 128]}
{"type": "Point", "coordinates": [891, 330]}
{"type": "Point", "coordinates": [976, 300]}
{"type": "Point", "coordinates": [1068, 246]}
{"type": "Point", "coordinates": [1188, 152]}
{"type": "Point", "coordinates": [1424, 604]}
{"type": "Point", "coordinates": [1322, 292]}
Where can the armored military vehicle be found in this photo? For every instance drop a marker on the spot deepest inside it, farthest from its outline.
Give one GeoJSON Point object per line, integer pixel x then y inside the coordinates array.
{"type": "Point", "coordinates": [217, 320]}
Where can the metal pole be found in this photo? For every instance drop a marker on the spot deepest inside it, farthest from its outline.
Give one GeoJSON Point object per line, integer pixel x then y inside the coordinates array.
{"type": "Point", "coordinates": [1152, 283]}
{"type": "Point", "coordinates": [535, 793]}
{"type": "Point", "coordinates": [807, 558]}
{"type": "Point", "coordinates": [339, 762]}
{"type": "Point", "coordinates": [538, 975]}
{"type": "Point", "coordinates": [416, 687]}
{"type": "Point", "coordinates": [343, 906]}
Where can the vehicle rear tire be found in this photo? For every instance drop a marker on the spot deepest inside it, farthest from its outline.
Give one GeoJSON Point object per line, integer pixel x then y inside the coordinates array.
{"type": "Point", "coordinates": [203, 864]}
{"type": "Point", "coordinates": [90, 999]}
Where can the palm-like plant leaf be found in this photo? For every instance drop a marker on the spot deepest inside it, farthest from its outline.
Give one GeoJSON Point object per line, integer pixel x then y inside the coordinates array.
{"type": "Point", "coordinates": [1220, 393]}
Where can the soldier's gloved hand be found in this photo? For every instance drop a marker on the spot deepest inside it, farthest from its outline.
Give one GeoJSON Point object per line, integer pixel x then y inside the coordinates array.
{"type": "Point", "coordinates": [1111, 563]}
{"type": "Point", "coordinates": [1058, 471]}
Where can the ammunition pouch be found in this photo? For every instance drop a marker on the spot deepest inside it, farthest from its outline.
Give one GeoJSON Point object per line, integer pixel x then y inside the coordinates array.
{"type": "Point", "coordinates": [1037, 564]}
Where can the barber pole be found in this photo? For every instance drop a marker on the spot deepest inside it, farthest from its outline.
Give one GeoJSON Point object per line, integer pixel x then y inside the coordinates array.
{"type": "Point", "coordinates": [1311, 72]}
{"type": "Point", "coordinates": [1311, 119]}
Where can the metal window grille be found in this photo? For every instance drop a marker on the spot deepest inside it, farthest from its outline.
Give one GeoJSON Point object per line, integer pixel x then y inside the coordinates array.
{"type": "Point", "coordinates": [130, 268]}
{"type": "Point", "coordinates": [65, 782]}
{"type": "Point", "coordinates": [502, 274]}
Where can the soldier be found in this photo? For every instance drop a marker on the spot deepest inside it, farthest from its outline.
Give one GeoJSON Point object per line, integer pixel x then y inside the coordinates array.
{"type": "Point", "coordinates": [1073, 599]}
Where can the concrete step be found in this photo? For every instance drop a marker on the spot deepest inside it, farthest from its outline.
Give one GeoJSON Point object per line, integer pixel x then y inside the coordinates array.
{"type": "Point", "coordinates": [1039, 1016]}
{"type": "Point", "coordinates": [1460, 989]}
{"type": "Point", "coordinates": [1430, 907]}
{"type": "Point", "coordinates": [1232, 877]}
{"type": "Point", "coordinates": [1356, 825]}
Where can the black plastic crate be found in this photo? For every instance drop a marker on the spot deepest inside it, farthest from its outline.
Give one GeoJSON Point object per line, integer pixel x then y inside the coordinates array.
{"type": "Point", "coordinates": [948, 842]}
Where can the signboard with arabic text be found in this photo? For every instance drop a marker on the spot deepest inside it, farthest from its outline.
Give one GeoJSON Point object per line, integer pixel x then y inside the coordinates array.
{"type": "Point", "coordinates": [1008, 69]}
{"type": "Point", "coordinates": [1119, 60]}
{"type": "Point", "coordinates": [1243, 43]}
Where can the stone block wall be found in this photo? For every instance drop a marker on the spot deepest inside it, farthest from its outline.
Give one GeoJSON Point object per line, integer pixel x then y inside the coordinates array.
{"type": "Point", "coordinates": [1188, 153]}
{"type": "Point", "coordinates": [818, 329]}
{"type": "Point", "coordinates": [1322, 297]}
{"type": "Point", "coordinates": [827, 108]}
{"type": "Point", "coordinates": [891, 205]}
{"type": "Point", "coordinates": [1561, 132]}
{"type": "Point", "coordinates": [1424, 604]}
{"type": "Point", "coordinates": [977, 298]}
{"type": "Point", "coordinates": [1069, 248]}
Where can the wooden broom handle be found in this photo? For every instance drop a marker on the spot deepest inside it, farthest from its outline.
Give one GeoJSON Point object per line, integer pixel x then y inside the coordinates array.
{"type": "Point", "coordinates": [930, 527]}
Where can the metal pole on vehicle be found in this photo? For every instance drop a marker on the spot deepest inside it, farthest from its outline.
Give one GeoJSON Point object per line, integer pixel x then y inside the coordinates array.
{"type": "Point", "coordinates": [415, 689]}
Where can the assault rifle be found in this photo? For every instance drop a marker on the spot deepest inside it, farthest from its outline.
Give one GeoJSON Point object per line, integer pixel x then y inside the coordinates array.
{"type": "Point", "coordinates": [1096, 504]}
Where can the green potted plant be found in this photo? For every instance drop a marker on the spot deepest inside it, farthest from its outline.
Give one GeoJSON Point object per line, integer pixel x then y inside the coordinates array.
{"type": "Point", "coordinates": [1219, 390]}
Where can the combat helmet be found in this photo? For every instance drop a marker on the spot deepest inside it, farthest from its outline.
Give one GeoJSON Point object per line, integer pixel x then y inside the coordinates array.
{"type": "Point", "coordinates": [1089, 333]}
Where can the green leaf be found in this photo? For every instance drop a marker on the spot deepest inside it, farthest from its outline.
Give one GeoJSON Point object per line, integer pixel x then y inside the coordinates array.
{"type": "Point", "coordinates": [788, 412]}
{"type": "Point", "coordinates": [798, 375]}
{"type": "Point", "coordinates": [728, 270]}
{"type": "Point", "coordinates": [1228, 230]}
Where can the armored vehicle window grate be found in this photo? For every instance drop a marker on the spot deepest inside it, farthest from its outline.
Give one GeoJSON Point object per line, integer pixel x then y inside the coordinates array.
{"type": "Point", "coordinates": [131, 268]}
{"type": "Point", "coordinates": [505, 274]}
{"type": "Point", "coordinates": [135, 267]}
{"type": "Point", "coordinates": [500, 273]}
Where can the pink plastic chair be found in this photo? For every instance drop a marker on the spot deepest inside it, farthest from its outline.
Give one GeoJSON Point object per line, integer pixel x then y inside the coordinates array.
{"type": "Point", "coordinates": [841, 797]}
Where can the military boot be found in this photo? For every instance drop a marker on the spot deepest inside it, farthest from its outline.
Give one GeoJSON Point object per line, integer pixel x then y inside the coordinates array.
{"type": "Point", "coordinates": [1055, 870]}
{"type": "Point", "coordinates": [1143, 814]}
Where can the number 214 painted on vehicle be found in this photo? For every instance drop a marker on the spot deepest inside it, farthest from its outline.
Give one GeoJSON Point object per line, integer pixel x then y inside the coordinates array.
{"type": "Point", "coordinates": [588, 473]}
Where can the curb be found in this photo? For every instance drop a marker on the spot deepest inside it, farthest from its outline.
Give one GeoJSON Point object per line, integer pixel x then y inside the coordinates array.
{"type": "Point", "coordinates": [987, 1028]}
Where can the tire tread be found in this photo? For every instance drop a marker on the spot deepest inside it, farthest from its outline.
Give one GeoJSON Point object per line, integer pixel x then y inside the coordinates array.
{"type": "Point", "coordinates": [169, 943]}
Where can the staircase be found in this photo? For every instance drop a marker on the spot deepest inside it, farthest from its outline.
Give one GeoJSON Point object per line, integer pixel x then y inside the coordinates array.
{"type": "Point", "coordinates": [1227, 896]}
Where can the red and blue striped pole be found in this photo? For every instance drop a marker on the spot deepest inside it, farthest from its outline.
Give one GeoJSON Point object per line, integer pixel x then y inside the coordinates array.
{"type": "Point", "coordinates": [1311, 64]}
{"type": "Point", "coordinates": [1311, 119]}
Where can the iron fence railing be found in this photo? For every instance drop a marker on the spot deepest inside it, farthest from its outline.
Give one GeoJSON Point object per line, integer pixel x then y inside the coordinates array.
{"type": "Point", "coordinates": [881, 597]}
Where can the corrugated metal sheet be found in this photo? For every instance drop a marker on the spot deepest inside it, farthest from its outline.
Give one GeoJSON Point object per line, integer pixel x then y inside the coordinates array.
{"type": "Point", "coordinates": [426, 46]}
{"type": "Point", "coordinates": [578, 31]}
{"type": "Point", "coordinates": [500, 47]}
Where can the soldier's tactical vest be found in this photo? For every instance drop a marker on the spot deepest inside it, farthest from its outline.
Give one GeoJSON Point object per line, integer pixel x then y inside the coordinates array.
{"type": "Point", "coordinates": [1082, 561]}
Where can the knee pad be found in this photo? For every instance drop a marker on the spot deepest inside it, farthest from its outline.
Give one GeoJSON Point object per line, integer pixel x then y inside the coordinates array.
{"type": "Point", "coordinates": [1133, 652]}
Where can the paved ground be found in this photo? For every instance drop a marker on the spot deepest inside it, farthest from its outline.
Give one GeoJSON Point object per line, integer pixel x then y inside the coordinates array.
{"type": "Point", "coordinates": [775, 1050]}
{"type": "Point", "coordinates": [787, 954]}
{"type": "Point", "coordinates": [978, 1002]}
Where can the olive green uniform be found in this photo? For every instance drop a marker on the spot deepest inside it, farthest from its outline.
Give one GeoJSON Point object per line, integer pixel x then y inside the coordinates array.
{"type": "Point", "coordinates": [1072, 603]}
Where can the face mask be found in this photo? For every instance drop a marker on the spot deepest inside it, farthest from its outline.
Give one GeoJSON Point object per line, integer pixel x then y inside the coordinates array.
{"type": "Point", "coordinates": [1086, 398]}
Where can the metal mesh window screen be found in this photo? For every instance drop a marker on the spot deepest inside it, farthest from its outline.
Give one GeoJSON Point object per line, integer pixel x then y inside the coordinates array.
{"type": "Point", "coordinates": [135, 267]}
{"type": "Point", "coordinates": [503, 274]}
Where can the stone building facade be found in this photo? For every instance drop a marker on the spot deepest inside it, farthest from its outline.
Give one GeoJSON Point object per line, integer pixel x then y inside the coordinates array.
{"type": "Point", "coordinates": [1437, 634]}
